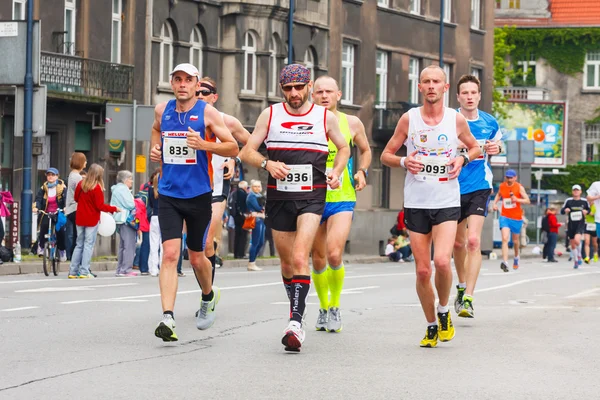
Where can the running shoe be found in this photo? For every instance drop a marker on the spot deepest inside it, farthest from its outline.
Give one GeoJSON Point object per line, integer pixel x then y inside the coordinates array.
{"type": "Point", "coordinates": [579, 261]}
{"type": "Point", "coordinates": [218, 262]}
{"type": "Point", "coordinates": [322, 320]}
{"type": "Point", "coordinates": [446, 329]}
{"type": "Point", "coordinates": [516, 263]}
{"type": "Point", "coordinates": [72, 276]}
{"type": "Point", "coordinates": [595, 257]}
{"type": "Point", "coordinates": [504, 266]}
{"type": "Point", "coordinates": [575, 265]}
{"type": "Point", "coordinates": [205, 317]}
{"type": "Point", "coordinates": [334, 324]}
{"type": "Point", "coordinates": [85, 276]}
{"type": "Point", "coordinates": [587, 260]}
{"type": "Point", "coordinates": [460, 292]}
{"type": "Point", "coordinates": [293, 337]}
{"type": "Point", "coordinates": [166, 329]}
{"type": "Point", "coordinates": [467, 309]}
{"type": "Point", "coordinates": [180, 274]}
{"type": "Point", "coordinates": [431, 337]}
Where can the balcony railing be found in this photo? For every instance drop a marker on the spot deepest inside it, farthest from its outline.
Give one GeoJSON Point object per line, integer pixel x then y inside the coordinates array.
{"type": "Point", "coordinates": [86, 77]}
{"type": "Point", "coordinates": [525, 93]}
{"type": "Point", "coordinates": [385, 118]}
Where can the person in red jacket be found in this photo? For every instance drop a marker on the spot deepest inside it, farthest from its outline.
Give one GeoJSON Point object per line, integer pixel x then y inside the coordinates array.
{"type": "Point", "coordinates": [553, 226]}
{"type": "Point", "coordinates": [89, 195]}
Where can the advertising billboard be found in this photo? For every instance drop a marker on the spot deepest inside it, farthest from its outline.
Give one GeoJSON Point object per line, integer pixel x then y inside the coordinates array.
{"type": "Point", "coordinates": [542, 122]}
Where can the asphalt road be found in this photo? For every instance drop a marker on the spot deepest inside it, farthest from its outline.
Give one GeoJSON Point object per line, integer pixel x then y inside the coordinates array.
{"type": "Point", "coordinates": [534, 337]}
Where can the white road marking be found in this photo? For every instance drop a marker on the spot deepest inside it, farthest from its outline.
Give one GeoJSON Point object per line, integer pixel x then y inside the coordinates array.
{"type": "Point", "coordinates": [287, 303]}
{"type": "Point", "coordinates": [111, 300]}
{"type": "Point", "coordinates": [543, 278]}
{"type": "Point", "coordinates": [72, 288]}
{"type": "Point", "coordinates": [20, 308]}
{"type": "Point", "coordinates": [550, 307]}
{"type": "Point", "coordinates": [585, 293]}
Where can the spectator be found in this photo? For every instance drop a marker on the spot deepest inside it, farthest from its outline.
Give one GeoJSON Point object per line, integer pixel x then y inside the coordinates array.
{"type": "Point", "coordinates": [155, 241]}
{"type": "Point", "coordinates": [400, 226]}
{"type": "Point", "coordinates": [553, 225]}
{"type": "Point", "coordinates": [78, 163]}
{"type": "Point", "coordinates": [403, 246]}
{"type": "Point", "coordinates": [123, 199]}
{"type": "Point", "coordinates": [89, 195]}
{"type": "Point", "coordinates": [239, 215]}
{"type": "Point", "coordinates": [143, 251]}
{"type": "Point", "coordinates": [5, 197]}
{"type": "Point", "coordinates": [50, 198]}
{"type": "Point", "coordinates": [255, 203]}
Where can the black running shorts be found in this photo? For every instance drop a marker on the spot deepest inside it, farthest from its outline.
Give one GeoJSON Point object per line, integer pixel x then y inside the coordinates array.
{"type": "Point", "coordinates": [224, 193]}
{"type": "Point", "coordinates": [196, 212]}
{"type": "Point", "coordinates": [282, 215]}
{"type": "Point", "coordinates": [422, 220]}
{"type": "Point", "coordinates": [575, 229]}
{"type": "Point", "coordinates": [474, 203]}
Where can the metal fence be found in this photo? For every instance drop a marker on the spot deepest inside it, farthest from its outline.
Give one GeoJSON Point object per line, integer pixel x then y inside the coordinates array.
{"type": "Point", "coordinates": [86, 77]}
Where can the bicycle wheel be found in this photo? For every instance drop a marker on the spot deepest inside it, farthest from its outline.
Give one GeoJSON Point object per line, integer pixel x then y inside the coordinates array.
{"type": "Point", "coordinates": [46, 258]}
{"type": "Point", "coordinates": [55, 261]}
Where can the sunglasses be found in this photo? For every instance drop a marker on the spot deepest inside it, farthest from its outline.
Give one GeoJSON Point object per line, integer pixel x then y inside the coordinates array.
{"type": "Point", "coordinates": [205, 92]}
{"type": "Point", "coordinates": [298, 87]}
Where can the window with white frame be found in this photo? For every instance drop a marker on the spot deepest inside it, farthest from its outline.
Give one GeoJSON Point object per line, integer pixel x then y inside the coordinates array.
{"type": "Point", "coordinates": [381, 75]}
{"type": "Point", "coordinates": [249, 48]}
{"type": "Point", "coordinates": [476, 14]}
{"type": "Point", "coordinates": [115, 41]}
{"type": "Point", "coordinates": [69, 27]}
{"type": "Point", "coordinates": [415, 6]}
{"type": "Point", "coordinates": [166, 53]}
{"type": "Point", "coordinates": [447, 10]}
{"type": "Point", "coordinates": [413, 80]}
{"type": "Point", "coordinates": [446, 68]}
{"type": "Point", "coordinates": [383, 3]}
{"type": "Point", "coordinates": [347, 73]}
{"type": "Point", "coordinates": [196, 49]}
{"type": "Point", "coordinates": [527, 68]}
{"type": "Point", "coordinates": [309, 62]}
{"type": "Point", "coordinates": [19, 8]}
{"type": "Point", "coordinates": [477, 73]}
{"type": "Point", "coordinates": [273, 50]}
{"type": "Point", "coordinates": [591, 72]}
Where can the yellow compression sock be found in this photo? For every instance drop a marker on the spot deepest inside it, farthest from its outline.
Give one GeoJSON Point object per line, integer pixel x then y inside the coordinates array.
{"type": "Point", "coordinates": [336, 284]}
{"type": "Point", "coordinates": [321, 283]}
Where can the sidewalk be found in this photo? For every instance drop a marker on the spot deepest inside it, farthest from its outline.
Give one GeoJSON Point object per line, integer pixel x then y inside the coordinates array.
{"type": "Point", "coordinates": [35, 267]}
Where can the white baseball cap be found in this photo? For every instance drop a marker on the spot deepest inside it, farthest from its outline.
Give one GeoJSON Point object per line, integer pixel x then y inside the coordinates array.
{"type": "Point", "coordinates": [187, 68]}
{"type": "Point", "coordinates": [576, 187]}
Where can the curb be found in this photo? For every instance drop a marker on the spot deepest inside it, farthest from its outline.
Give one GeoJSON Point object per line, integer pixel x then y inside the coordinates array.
{"type": "Point", "coordinates": [36, 267]}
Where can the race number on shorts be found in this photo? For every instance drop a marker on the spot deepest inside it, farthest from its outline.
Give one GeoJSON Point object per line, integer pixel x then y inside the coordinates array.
{"type": "Point", "coordinates": [434, 168]}
{"type": "Point", "coordinates": [590, 227]}
{"type": "Point", "coordinates": [576, 215]}
{"type": "Point", "coordinates": [176, 150]}
{"type": "Point", "coordinates": [298, 179]}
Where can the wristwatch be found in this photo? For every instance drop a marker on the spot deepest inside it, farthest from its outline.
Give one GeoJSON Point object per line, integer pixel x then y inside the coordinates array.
{"type": "Point", "coordinates": [263, 164]}
{"type": "Point", "coordinates": [466, 159]}
{"type": "Point", "coordinates": [366, 171]}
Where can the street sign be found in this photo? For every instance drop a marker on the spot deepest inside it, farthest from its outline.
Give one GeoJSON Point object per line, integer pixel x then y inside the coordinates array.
{"type": "Point", "coordinates": [40, 96]}
{"type": "Point", "coordinates": [13, 41]}
{"type": "Point", "coordinates": [520, 151]}
{"type": "Point", "coordinates": [119, 122]}
{"type": "Point", "coordinates": [140, 164]}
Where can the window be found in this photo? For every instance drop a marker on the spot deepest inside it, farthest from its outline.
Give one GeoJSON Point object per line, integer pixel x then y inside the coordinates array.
{"type": "Point", "coordinates": [476, 72]}
{"type": "Point", "coordinates": [115, 45]}
{"type": "Point", "coordinates": [382, 3]}
{"type": "Point", "coordinates": [273, 50]}
{"type": "Point", "coordinates": [69, 28]}
{"type": "Point", "coordinates": [527, 69]}
{"type": "Point", "coordinates": [166, 53]}
{"type": "Point", "coordinates": [196, 49]}
{"type": "Point", "coordinates": [447, 94]}
{"type": "Point", "coordinates": [514, 4]}
{"type": "Point", "coordinates": [347, 73]}
{"type": "Point", "coordinates": [447, 10]}
{"type": "Point", "coordinates": [476, 14]}
{"type": "Point", "coordinates": [413, 80]}
{"type": "Point", "coordinates": [415, 6]}
{"type": "Point", "coordinates": [249, 49]}
{"type": "Point", "coordinates": [309, 62]}
{"type": "Point", "coordinates": [591, 72]}
{"type": "Point", "coordinates": [19, 9]}
{"type": "Point", "coordinates": [589, 152]}
{"type": "Point", "coordinates": [381, 72]}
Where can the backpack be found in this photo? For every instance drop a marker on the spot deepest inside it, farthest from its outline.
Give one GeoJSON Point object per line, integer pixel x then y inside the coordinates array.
{"type": "Point", "coordinates": [143, 195]}
{"type": "Point", "coordinates": [545, 224]}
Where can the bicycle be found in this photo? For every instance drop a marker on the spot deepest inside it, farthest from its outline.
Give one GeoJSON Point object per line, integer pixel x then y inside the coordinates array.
{"type": "Point", "coordinates": [50, 252]}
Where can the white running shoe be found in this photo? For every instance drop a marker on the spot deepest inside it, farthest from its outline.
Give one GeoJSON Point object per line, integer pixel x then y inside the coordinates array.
{"type": "Point", "coordinates": [293, 337]}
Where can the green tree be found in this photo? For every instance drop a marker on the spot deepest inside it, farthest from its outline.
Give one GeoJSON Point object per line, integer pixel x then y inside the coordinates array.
{"type": "Point", "coordinates": [503, 72]}
{"type": "Point", "coordinates": [583, 175]}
